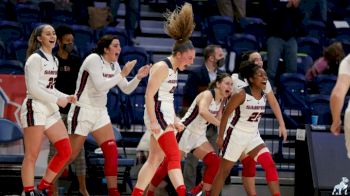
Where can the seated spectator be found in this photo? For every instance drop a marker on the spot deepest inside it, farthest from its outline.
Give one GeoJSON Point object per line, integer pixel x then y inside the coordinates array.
{"type": "Point", "coordinates": [328, 63]}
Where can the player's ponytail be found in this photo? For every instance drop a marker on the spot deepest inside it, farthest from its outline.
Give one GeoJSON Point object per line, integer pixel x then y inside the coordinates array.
{"type": "Point", "coordinates": [179, 25]}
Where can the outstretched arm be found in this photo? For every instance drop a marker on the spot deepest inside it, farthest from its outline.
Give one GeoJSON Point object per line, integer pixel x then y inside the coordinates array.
{"type": "Point", "coordinates": [337, 101]}
{"type": "Point", "coordinates": [277, 111]}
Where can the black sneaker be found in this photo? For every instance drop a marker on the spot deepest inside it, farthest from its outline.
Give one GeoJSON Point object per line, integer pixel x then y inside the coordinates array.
{"type": "Point", "coordinates": [32, 193]}
{"type": "Point", "coordinates": [45, 193]}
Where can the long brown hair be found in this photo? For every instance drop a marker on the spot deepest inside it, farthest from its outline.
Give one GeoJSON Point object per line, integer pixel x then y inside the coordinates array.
{"type": "Point", "coordinates": [179, 25]}
{"type": "Point", "coordinates": [219, 78]}
{"type": "Point", "coordinates": [103, 43]}
{"type": "Point", "coordinates": [33, 43]}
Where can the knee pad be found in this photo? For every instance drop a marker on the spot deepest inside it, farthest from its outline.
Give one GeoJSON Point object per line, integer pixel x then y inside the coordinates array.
{"type": "Point", "coordinates": [110, 153]}
{"type": "Point", "coordinates": [64, 151]}
{"type": "Point", "coordinates": [248, 167]}
{"type": "Point", "coordinates": [168, 143]}
{"type": "Point", "coordinates": [212, 161]}
{"type": "Point", "coordinates": [265, 160]}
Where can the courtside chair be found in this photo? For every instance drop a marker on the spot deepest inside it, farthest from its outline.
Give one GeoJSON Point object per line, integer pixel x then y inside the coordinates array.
{"type": "Point", "coordinates": [10, 163]}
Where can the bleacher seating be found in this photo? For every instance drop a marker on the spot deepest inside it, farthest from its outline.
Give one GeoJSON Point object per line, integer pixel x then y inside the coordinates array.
{"type": "Point", "coordinates": [130, 53]}
{"type": "Point", "coordinates": [10, 31]}
{"type": "Point", "coordinates": [218, 29]}
{"type": "Point", "coordinates": [17, 51]}
{"type": "Point", "coordinates": [11, 67]}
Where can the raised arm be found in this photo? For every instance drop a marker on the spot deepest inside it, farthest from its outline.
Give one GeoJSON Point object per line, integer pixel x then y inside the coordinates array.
{"type": "Point", "coordinates": [129, 86]}
{"type": "Point", "coordinates": [93, 66]}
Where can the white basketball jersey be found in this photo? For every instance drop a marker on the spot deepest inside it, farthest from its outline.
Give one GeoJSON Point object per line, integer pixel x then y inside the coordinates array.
{"type": "Point", "coordinates": [40, 76]}
{"type": "Point", "coordinates": [95, 78]}
{"type": "Point", "coordinates": [248, 114]}
{"type": "Point", "coordinates": [195, 122]}
{"type": "Point", "coordinates": [168, 86]}
{"type": "Point", "coordinates": [164, 99]}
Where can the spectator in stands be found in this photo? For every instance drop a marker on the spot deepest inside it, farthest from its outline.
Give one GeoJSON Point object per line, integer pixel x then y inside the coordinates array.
{"type": "Point", "coordinates": [205, 109]}
{"type": "Point", "coordinates": [160, 116]}
{"type": "Point", "coordinates": [248, 174]}
{"type": "Point", "coordinates": [328, 63]}
{"type": "Point", "coordinates": [198, 81]}
{"type": "Point", "coordinates": [337, 101]}
{"type": "Point", "coordinates": [242, 134]}
{"type": "Point", "coordinates": [98, 74]}
{"type": "Point", "coordinates": [236, 9]}
{"type": "Point", "coordinates": [132, 17]}
{"type": "Point", "coordinates": [40, 113]}
{"type": "Point", "coordinates": [68, 69]}
{"type": "Point", "coordinates": [283, 22]}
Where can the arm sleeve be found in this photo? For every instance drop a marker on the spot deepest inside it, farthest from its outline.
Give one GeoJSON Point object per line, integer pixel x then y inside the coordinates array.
{"type": "Point", "coordinates": [93, 66]}
{"type": "Point", "coordinates": [32, 76]}
{"type": "Point", "coordinates": [58, 93]}
{"type": "Point", "coordinates": [124, 85]}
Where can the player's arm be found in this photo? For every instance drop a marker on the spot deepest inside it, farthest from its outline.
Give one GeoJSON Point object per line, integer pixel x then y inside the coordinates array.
{"type": "Point", "coordinates": [337, 101]}
{"type": "Point", "coordinates": [278, 114]}
{"type": "Point", "coordinates": [203, 108]}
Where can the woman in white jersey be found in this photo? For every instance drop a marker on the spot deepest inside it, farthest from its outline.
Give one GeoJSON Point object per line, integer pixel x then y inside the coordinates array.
{"type": "Point", "coordinates": [205, 109]}
{"type": "Point", "coordinates": [98, 74]}
{"type": "Point", "coordinates": [337, 101]}
{"type": "Point", "coordinates": [248, 172]}
{"type": "Point", "coordinates": [39, 111]}
{"type": "Point", "coordinates": [242, 134]}
{"type": "Point", "coordinates": [160, 116]}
